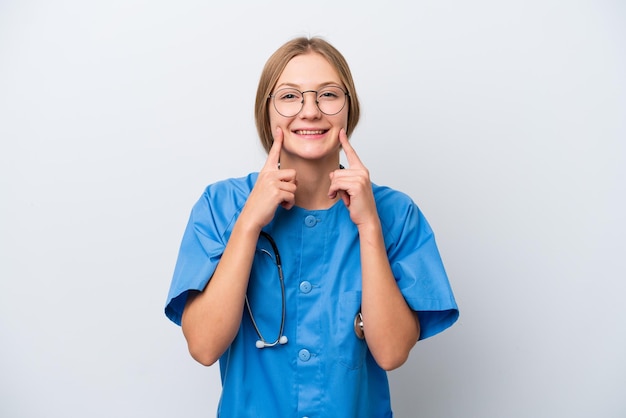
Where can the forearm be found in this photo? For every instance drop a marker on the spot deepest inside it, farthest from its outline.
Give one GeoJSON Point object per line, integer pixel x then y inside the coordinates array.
{"type": "Point", "coordinates": [211, 318]}
{"type": "Point", "coordinates": [391, 327]}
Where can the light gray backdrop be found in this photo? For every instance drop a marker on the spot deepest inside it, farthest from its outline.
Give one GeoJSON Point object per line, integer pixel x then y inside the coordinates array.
{"type": "Point", "coordinates": [505, 121]}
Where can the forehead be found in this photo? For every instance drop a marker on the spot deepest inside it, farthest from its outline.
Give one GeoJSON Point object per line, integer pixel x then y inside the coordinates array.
{"type": "Point", "coordinates": [307, 70]}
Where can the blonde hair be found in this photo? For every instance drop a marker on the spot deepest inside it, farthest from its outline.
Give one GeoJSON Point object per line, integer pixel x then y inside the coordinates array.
{"type": "Point", "coordinates": [274, 68]}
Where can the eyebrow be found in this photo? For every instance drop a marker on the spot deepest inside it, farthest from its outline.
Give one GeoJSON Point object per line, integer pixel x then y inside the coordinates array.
{"type": "Point", "coordinates": [297, 86]}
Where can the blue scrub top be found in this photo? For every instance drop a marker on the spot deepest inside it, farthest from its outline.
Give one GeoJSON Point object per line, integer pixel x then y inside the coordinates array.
{"type": "Point", "coordinates": [324, 370]}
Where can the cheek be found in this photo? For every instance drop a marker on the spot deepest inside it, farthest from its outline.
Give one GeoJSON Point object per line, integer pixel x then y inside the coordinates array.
{"type": "Point", "coordinates": [272, 120]}
{"type": "Point", "coordinates": [344, 116]}
{"type": "Point", "coordinates": [341, 120]}
{"type": "Point", "coordinates": [277, 121]}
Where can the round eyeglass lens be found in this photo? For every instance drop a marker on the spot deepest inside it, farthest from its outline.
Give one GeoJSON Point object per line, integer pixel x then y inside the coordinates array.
{"type": "Point", "coordinates": [289, 102]}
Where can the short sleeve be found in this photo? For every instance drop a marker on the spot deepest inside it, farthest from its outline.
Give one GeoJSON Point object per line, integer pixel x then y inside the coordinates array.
{"type": "Point", "coordinates": [199, 253]}
{"type": "Point", "coordinates": [204, 240]}
{"type": "Point", "coordinates": [419, 271]}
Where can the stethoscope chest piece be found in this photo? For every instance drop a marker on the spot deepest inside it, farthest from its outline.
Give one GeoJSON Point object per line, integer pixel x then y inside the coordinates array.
{"type": "Point", "coordinates": [358, 326]}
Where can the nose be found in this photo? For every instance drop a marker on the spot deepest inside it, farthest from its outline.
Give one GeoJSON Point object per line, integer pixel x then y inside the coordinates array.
{"type": "Point", "coordinates": [309, 105]}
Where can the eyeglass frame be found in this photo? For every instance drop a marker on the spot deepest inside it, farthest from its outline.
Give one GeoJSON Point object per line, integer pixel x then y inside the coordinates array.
{"type": "Point", "coordinates": [317, 103]}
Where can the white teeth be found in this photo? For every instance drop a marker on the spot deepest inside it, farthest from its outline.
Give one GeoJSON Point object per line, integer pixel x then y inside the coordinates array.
{"type": "Point", "coordinates": [309, 132]}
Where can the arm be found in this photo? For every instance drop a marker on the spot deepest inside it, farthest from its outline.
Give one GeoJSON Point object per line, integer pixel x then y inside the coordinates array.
{"type": "Point", "coordinates": [211, 318]}
{"type": "Point", "coordinates": [391, 328]}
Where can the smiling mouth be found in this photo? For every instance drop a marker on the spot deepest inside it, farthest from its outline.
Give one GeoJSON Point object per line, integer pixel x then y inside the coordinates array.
{"type": "Point", "coordinates": [305, 132]}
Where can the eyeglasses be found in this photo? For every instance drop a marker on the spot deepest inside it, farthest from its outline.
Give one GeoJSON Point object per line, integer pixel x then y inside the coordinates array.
{"type": "Point", "coordinates": [330, 100]}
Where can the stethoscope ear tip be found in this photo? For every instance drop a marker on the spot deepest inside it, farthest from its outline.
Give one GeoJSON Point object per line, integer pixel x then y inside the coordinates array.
{"type": "Point", "coordinates": [262, 344]}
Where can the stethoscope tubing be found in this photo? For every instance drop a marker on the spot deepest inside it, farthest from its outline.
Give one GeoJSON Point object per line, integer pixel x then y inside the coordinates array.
{"type": "Point", "coordinates": [281, 339]}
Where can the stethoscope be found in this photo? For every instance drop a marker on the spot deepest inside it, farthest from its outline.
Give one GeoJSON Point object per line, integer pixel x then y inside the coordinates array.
{"type": "Point", "coordinates": [281, 338]}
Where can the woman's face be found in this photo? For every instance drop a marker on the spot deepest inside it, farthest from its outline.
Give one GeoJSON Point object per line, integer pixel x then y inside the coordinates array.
{"type": "Point", "coordinates": [310, 134]}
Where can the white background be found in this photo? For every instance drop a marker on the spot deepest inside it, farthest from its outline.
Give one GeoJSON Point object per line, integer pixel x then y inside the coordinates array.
{"type": "Point", "coordinates": [505, 121]}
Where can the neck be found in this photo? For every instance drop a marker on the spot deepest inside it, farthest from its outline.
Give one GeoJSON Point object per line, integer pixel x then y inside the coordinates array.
{"type": "Point", "coordinates": [313, 181]}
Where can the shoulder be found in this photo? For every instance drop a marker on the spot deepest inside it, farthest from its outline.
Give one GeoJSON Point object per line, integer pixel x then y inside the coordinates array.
{"type": "Point", "coordinates": [235, 189]}
{"type": "Point", "coordinates": [222, 201]}
{"type": "Point", "coordinates": [392, 203]}
{"type": "Point", "coordinates": [398, 213]}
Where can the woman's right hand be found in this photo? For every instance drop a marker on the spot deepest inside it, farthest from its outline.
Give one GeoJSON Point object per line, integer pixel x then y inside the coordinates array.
{"type": "Point", "coordinates": [273, 187]}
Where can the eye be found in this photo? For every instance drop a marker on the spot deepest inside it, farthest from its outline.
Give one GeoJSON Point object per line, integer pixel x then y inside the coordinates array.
{"type": "Point", "coordinates": [288, 95]}
{"type": "Point", "coordinates": [331, 93]}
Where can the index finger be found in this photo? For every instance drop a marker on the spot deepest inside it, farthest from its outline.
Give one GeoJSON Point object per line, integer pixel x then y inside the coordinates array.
{"type": "Point", "coordinates": [353, 159]}
{"type": "Point", "coordinates": [273, 156]}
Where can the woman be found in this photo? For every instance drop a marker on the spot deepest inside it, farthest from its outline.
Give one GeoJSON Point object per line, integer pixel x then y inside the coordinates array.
{"type": "Point", "coordinates": [362, 280]}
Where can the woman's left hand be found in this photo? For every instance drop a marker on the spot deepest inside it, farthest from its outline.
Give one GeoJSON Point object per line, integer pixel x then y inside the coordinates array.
{"type": "Point", "coordinates": [354, 187]}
